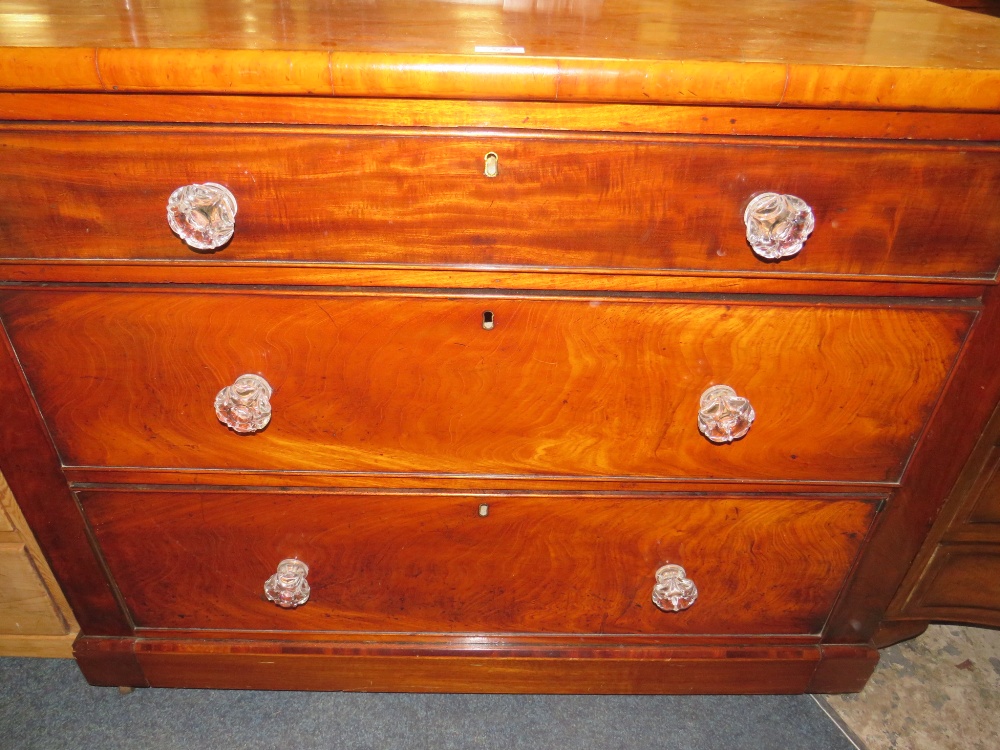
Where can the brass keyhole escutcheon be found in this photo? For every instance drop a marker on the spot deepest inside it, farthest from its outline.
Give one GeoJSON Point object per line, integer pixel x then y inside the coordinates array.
{"type": "Point", "coordinates": [492, 165]}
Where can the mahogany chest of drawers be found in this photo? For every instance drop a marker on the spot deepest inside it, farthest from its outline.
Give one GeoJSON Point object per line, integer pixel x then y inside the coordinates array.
{"type": "Point", "coordinates": [360, 348]}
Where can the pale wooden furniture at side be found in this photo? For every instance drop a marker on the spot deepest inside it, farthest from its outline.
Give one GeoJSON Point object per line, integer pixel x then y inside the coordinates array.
{"type": "Point", "coordinates": [35, 619]}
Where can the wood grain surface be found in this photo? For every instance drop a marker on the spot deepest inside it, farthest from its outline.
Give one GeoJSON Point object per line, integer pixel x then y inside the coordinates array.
{"type": "Point", "coordinates": [985, 506]}
{"type": "Point", "coordinates": [839, 54]}
{"type": "Point", "coordinates": [638, 671]}
{"type": "Point", "coordinates": [27, 608]}
{"type": "Point", "coordinates": [954, 576]}
{"type": "Point", "coordinates": [656, 204]}
{"type": "Point", "coordinates": [534, 564]}
{"type": "Point", "coordinates": [297, 274]}
{"type": "Point", "coordinates": [409, 384]}
{"type": "Point", "coordinates": [35, 619]}
{"type": "Point", "coordinates": [30, 465]}
{"type": "Point", "coordinates": [961, 583]}
{"type": "Point", "coordinates": [611, 251]}
{"type": "Point", "coordinates": [936, 465]}
{"type": "Point", "coordinates": [557, 116]}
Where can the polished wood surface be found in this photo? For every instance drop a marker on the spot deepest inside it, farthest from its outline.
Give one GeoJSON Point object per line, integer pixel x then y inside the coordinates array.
{"type": "Point", "coordinates": [610, 250]}
{"type": "Point", "coordinates": [843, 669]}
{"type": "Point", "coordinates": [962, 582]}
{"type": "Point", "coordinates": [955, 575]}
{"type": "Point", "coordinates": [940, 460]}
{"type": "Point", "coordinates": [32, 469]}
{"type": "Point", "coordinates": [987, 510]}
{"type": "Point", "coordinates": [323, 275]}
{"type": "Point", "coordinates": [653, 204]}
{"type": "Point", "coordinates": [984, 507]}
{"type": "Point", "coordinates": [416, 563]}
{"type": "Point", "coordinates": [555, 116]}
{"type": "Point", "coordinates": [689, 670]}
{"type": "Point", "coordinates": [556, 669]}
{"type": "Point", "coordinates": [404, 384]}
{"type": "Point", "coordinates": [834, 53]}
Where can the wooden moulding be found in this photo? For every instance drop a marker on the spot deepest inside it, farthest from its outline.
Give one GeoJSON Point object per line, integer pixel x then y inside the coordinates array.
{"type": "Point", "coordinates": [109, 661]}
{"type": "Point", "coordinates": [505, 77]}
{"type": "Point", "coordinates": [203, 271]}
{"type": "Point", "coordinates": [547, 116]}
{"type": "Point", "coordinates": [318, 666]}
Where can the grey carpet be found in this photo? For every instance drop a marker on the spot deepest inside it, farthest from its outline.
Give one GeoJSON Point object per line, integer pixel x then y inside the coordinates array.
{"type": "Point", "coordinates": [45, 704]}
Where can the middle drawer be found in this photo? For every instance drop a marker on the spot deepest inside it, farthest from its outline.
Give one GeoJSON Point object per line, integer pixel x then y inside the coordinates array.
{"type": "Point", "coordinates": [494, 386]}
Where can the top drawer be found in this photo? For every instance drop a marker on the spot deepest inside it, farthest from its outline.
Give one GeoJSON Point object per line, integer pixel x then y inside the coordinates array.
{"type": "Point", "coordinates": [651, 204]}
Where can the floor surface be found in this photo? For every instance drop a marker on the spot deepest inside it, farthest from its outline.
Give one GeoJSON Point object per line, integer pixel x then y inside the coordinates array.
{"type": "Point", "coordinates": [45, 704]}
{"type": "Point", "coordinates": [940, 691]}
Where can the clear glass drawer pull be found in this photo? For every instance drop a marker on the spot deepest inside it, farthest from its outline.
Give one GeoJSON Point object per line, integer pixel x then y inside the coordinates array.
{"type": "Point", "coordinates": [778, 225]}
{"type": "Point", "coordinates": [288, 587]}
{"type": "Point", "coordinates": [724, 416]}
{"type": "Point", "coordinates": [245, 406]}
{"type": "Point", "coordinates": [204, 216]}
{"type": "Point", "coordinates": [673, 590]}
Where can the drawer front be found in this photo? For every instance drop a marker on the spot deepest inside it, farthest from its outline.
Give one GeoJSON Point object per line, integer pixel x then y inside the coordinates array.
{"type": "Point", "coordinates": [389, 384]}
{"type": "Point", "coordinates": [424, 563]}
{"type": "Point", "coordinates": [656, 205]}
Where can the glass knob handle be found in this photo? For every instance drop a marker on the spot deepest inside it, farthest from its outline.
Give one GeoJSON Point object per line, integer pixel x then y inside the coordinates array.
{"type": "Point", "coordinates": [288, 587]}
{"type": "Point", "coordinates": [673, 591]}
{"type": "Point", "coordinates": [204, 216]}
{"type": "Point", "coordinates": [245, 406]}
{"type": "Point", "coordinates": [724, 416]}
{"type": "Point", "coordinates": [778, 225]}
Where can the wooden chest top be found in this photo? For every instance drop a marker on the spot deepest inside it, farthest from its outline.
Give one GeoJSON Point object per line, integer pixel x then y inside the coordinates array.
{"type": "Point", "coordinates": [869, 54]}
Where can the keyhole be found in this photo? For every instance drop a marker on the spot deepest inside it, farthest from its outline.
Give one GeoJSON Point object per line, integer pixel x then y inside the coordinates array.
{"type": "Point", "coordinates": [492, 168]}
{"type": "Point", "coordinates": [488, 320]}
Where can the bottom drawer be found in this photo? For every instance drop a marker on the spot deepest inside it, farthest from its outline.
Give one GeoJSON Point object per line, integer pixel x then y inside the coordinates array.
{"type": "Point", "coordinates": [434, 563]}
